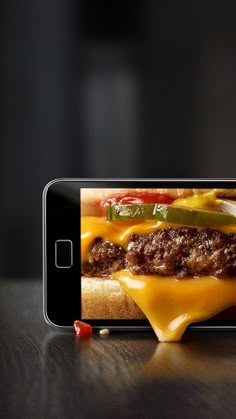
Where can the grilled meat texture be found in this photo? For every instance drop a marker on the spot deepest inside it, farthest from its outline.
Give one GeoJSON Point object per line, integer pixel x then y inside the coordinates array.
{"type": "Point", "coordinates": [181, 252]}
{"type": "Point", "coordinates": [105, 258]}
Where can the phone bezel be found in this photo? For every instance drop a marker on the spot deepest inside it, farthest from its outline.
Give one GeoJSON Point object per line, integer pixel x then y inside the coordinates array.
{"type": "Point", "coordinates": [129, 183]}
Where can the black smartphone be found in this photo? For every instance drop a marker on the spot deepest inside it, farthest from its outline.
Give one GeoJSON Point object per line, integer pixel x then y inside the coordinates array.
{"type": "Point", "coordinates": [123, 253]}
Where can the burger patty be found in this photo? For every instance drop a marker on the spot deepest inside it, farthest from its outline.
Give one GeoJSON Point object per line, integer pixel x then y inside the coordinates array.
{"type": "Point", "coordinates": [179, 252]}
{"type": "Point", "coordinates": [183, 252]}
{"type": "Point", "coordinates": [105, 258]}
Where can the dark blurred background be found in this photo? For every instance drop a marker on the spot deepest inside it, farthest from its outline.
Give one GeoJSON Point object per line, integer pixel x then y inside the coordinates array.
{"type": "Point", "coordinates": [109, 89]}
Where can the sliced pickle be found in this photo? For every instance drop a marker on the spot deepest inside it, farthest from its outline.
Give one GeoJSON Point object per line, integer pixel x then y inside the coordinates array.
{"type": "Point", "coordinates": [170, 214]}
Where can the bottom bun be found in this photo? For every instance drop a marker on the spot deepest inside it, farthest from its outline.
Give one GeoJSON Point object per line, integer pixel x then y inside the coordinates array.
{"type": "Point", "coordinates": [104, 298]}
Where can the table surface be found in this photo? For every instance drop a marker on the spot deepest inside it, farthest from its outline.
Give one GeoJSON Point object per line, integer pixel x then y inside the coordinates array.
{"type": "Point", "coordinates": [47, 374]}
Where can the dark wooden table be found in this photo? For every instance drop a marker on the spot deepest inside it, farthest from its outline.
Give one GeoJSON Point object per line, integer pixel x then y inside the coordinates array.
{"type": "Point", "coordinates": [47, 374]}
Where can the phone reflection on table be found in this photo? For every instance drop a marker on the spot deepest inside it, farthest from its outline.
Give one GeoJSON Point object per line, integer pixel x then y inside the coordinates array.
{"type": "Point", "coordinates": [112, 358]}
{"type": "Point", "coordinates": [122, 359]}
{"type": "Point", "coordinates": [201, 355]}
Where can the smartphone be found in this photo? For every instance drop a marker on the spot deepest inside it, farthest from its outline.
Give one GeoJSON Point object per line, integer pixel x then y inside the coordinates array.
{"type": "Point", "coordinates": [103, 239]}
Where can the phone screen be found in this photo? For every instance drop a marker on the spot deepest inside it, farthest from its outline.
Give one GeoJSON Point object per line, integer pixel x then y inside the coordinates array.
{"type": "Point", "coordinates": [111, 246]}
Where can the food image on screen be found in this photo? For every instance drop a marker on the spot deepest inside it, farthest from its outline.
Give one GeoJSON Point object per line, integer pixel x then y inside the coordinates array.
{"type": "Point", "coordinates": [166, 255]}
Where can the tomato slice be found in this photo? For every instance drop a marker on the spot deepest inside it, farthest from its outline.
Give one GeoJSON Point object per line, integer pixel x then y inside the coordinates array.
{"type": "Point", "coordinates": [83, 329]}
{"type": "Point", "coordinates": [136, 198]}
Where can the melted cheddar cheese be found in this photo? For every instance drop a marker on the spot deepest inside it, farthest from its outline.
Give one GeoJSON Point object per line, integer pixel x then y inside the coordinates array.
{"type": "Point", "coordinates": [169, 304]}
{"type": "Point", "coordinates": [202, 201]}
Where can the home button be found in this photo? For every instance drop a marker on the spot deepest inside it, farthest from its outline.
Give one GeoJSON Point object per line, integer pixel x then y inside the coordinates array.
{"type": "Point", "coordinates": [63, 253]}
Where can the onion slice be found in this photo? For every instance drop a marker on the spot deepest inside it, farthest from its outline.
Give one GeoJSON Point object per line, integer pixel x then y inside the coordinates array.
{"type": "Point", "coordinates": [228, 206]}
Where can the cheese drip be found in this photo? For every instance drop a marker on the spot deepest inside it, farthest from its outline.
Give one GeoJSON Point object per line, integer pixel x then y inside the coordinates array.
{"type": "Point", "coordinates": [171, 305]}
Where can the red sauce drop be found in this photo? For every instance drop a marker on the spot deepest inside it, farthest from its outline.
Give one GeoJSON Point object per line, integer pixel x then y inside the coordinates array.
{"type": "Point", "coordinates": [83, 329]}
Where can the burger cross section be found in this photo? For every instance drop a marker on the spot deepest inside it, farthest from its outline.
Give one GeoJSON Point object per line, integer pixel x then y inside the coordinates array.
{"type": "Point", "coordinates": [163, 254]}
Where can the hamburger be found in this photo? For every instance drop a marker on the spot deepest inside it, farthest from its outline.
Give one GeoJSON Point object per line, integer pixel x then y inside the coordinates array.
{"type": "Point", "coordinates": [168, 255]}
